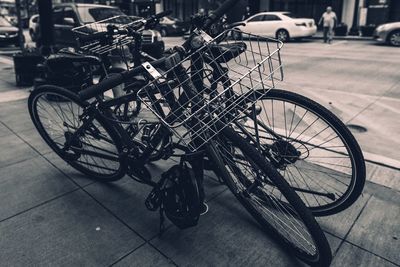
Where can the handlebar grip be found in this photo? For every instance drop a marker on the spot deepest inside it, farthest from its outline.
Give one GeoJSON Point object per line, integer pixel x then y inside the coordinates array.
{"type": "Point", "coordinates": [163, 14]}
{"type": "Point", "coordinates": [216, 14]}
{"type": "Point", "coordinates": [101, 87]}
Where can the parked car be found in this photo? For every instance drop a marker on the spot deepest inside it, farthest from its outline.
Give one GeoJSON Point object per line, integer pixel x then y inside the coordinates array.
{"type": "Point", "coordinates": [70, 15]}
{"type": "Point", "coordinates": [8, 33]}
{"type": "Point", "coordinates": [280, 25]}
{"type": "Point", "coordinates": [388, 33]}
{"type": "Point", "coordinates": [33, 26]}
{"type": "Point", "coordinates": [171, 26]}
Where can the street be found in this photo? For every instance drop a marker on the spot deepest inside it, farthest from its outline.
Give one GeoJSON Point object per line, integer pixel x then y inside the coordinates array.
{"type": "Point", "coordinates": [53, 215]}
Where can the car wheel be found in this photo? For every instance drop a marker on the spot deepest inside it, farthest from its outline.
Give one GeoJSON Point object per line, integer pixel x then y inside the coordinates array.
{"type": "Point", "coordinates": [163, 32]}
{"type": "Point", "coordinates": [394, 38]}
{"type": "Point", "coordinates": [282, 35]}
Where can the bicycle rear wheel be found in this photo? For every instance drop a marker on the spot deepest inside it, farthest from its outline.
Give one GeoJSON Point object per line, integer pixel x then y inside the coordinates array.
{"type": "Point", "coordinates": [57, 114]}
{"type": "Point", "coordinates": [311, 147]}
{"type": "Point", "coordinates": [269, 199]}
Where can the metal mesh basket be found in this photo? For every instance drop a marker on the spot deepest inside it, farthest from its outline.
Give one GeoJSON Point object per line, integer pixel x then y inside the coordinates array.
{"type": "Point", "coordinates": [229, 77]}
{"type": "Point", "coordinates": [106, 45]}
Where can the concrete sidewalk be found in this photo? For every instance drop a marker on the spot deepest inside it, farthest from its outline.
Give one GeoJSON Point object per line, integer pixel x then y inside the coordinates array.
{"type": "Point", "coordinates": [53, 216]}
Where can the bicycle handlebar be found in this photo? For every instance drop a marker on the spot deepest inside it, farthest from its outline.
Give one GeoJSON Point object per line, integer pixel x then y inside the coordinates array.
{"type": "Point", "coordinates": [114, 80]}
{"type": "Point", "coordinates": [216, 14]}
{"type": "Point", "coordinates": [98, 36]}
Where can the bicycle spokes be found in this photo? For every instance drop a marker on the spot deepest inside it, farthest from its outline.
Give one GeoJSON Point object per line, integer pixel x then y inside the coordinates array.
{"type": "Point", "coordinates": [309, 153]}
{"type": "Point", "coordinates": [61, 118]}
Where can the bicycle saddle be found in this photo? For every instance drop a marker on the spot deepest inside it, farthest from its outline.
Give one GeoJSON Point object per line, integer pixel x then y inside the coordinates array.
{"type": "Point", "coordinates": [225, 52]}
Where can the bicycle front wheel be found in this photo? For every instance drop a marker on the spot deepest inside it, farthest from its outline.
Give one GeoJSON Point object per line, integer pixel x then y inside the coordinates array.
{"type": "Point", "coordinates": [269, 198]}
{"type": "Point", "coordinates": [310, 146]}
{"type": "Point", "coordinates": [57, 114]}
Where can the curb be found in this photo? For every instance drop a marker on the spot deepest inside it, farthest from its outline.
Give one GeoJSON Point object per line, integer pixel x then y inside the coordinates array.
{"type": "Point", "coordinates": [347, 38]}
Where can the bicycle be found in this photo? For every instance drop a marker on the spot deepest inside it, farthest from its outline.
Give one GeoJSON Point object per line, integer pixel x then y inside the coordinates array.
{"type": "Point", "coordinates": [89, 131]}
{"type": "Point", "coordinates": [307, 143]}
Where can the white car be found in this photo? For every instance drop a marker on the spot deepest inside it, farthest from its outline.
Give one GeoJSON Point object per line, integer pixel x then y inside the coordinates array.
{"type": "Point", "coordinates": [280, 25]}
{"type": "Point", "coordinates": [33, 21]}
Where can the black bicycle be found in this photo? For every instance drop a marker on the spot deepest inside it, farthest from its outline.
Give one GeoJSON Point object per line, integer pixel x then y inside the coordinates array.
{"type": "Point", "coordinates": [84, 131]}
{"type": "Point", "coordinates": [308, 144]}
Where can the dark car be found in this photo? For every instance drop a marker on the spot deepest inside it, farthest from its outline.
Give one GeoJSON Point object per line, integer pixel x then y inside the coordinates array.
{"type": "Point", "coordinates": [171, 26]}
{"type": "Point", "coordinates": [68, 16]}
{"type": "Point", "coordinates": [8, 33]}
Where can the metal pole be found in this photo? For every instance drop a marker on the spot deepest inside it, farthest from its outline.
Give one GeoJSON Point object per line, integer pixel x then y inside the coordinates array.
{"type": "Point", "coordinates": [46, 26]}
{"type": "Point", "coordinates": [354, 28]}
{"type": "Point", "coordinates": [20, 30]}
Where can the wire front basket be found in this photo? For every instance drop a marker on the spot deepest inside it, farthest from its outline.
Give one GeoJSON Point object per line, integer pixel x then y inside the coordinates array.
{"type": "Point", "coordinates": [214, 86]}
{"type": "Point", "coordinates": [102, 46]}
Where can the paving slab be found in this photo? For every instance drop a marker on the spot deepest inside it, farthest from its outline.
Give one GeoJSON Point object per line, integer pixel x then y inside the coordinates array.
{"type": "Point", "coordinates": [29, 183]}
{"type": "Point", "coordinates": [15, 115]}
{"type": "Point", "coordinates": [349, 255]}
{"type": "Point", "coordinates": [378, 230]}
{"type": "Point", "coordinates": [73, 230]}
{"type": "Point", "coordinates": [4, 131]}
{"type": "Point", "coordinates": [145, 256]}
{"type": "Point", "coordinates": [340, 224]}
{"type": "Point", "coordinates": [14, 150]}
{"type": "Point", "coordinates": [62, 166]}
{"type": "Point", "coordinates": [33, 137]}
{"type": "Point", "coordinates": [125, 198]}
{"type": "Point", "coordinates": [383, 176]}
{"type": "Point", "coordinates": [225, 236]}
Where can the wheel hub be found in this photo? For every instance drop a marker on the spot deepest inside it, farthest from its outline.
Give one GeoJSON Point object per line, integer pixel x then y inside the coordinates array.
{"type": "Point", "coordinates": [284, 153]}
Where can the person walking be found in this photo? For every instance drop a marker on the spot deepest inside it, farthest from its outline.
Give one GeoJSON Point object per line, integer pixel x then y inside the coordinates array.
{"type": "Point", "coordinates": [329, 20]}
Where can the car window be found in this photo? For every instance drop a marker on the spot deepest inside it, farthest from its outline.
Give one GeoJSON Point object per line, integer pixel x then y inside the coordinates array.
{"type": "Point", "coordinates": [90, 14]}
{"type": "Point", "coordinates": [257, 18]}
{"type": "Point", "coordinates": [290, 15]}
{"type": "Point", "coordinates": [271, 18]}
{"type": "Point", "coordinates": [58, 15]}
{"type": "Point", "coordinates": [69, 14]}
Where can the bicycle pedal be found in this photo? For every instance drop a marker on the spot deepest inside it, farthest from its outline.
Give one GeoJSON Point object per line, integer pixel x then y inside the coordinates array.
{"type": "Point", "coordinates": [153, 200]}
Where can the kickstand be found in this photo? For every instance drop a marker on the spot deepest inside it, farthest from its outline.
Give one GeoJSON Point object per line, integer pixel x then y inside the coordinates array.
{"type": "Point", "coordinates": [162, 220]}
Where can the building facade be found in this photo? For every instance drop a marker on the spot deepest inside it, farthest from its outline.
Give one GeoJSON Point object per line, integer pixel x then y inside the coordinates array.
{"type": "Point", "coordinates": [351, 12]}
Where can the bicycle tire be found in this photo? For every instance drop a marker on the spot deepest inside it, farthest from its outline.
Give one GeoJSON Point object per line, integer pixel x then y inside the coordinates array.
{"type": "Point", "coordinates": [323, 255]}
{"type": "Point", "coordinates": [350, 190]}
{"type": "Point", "coordinates": [105, 169]}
